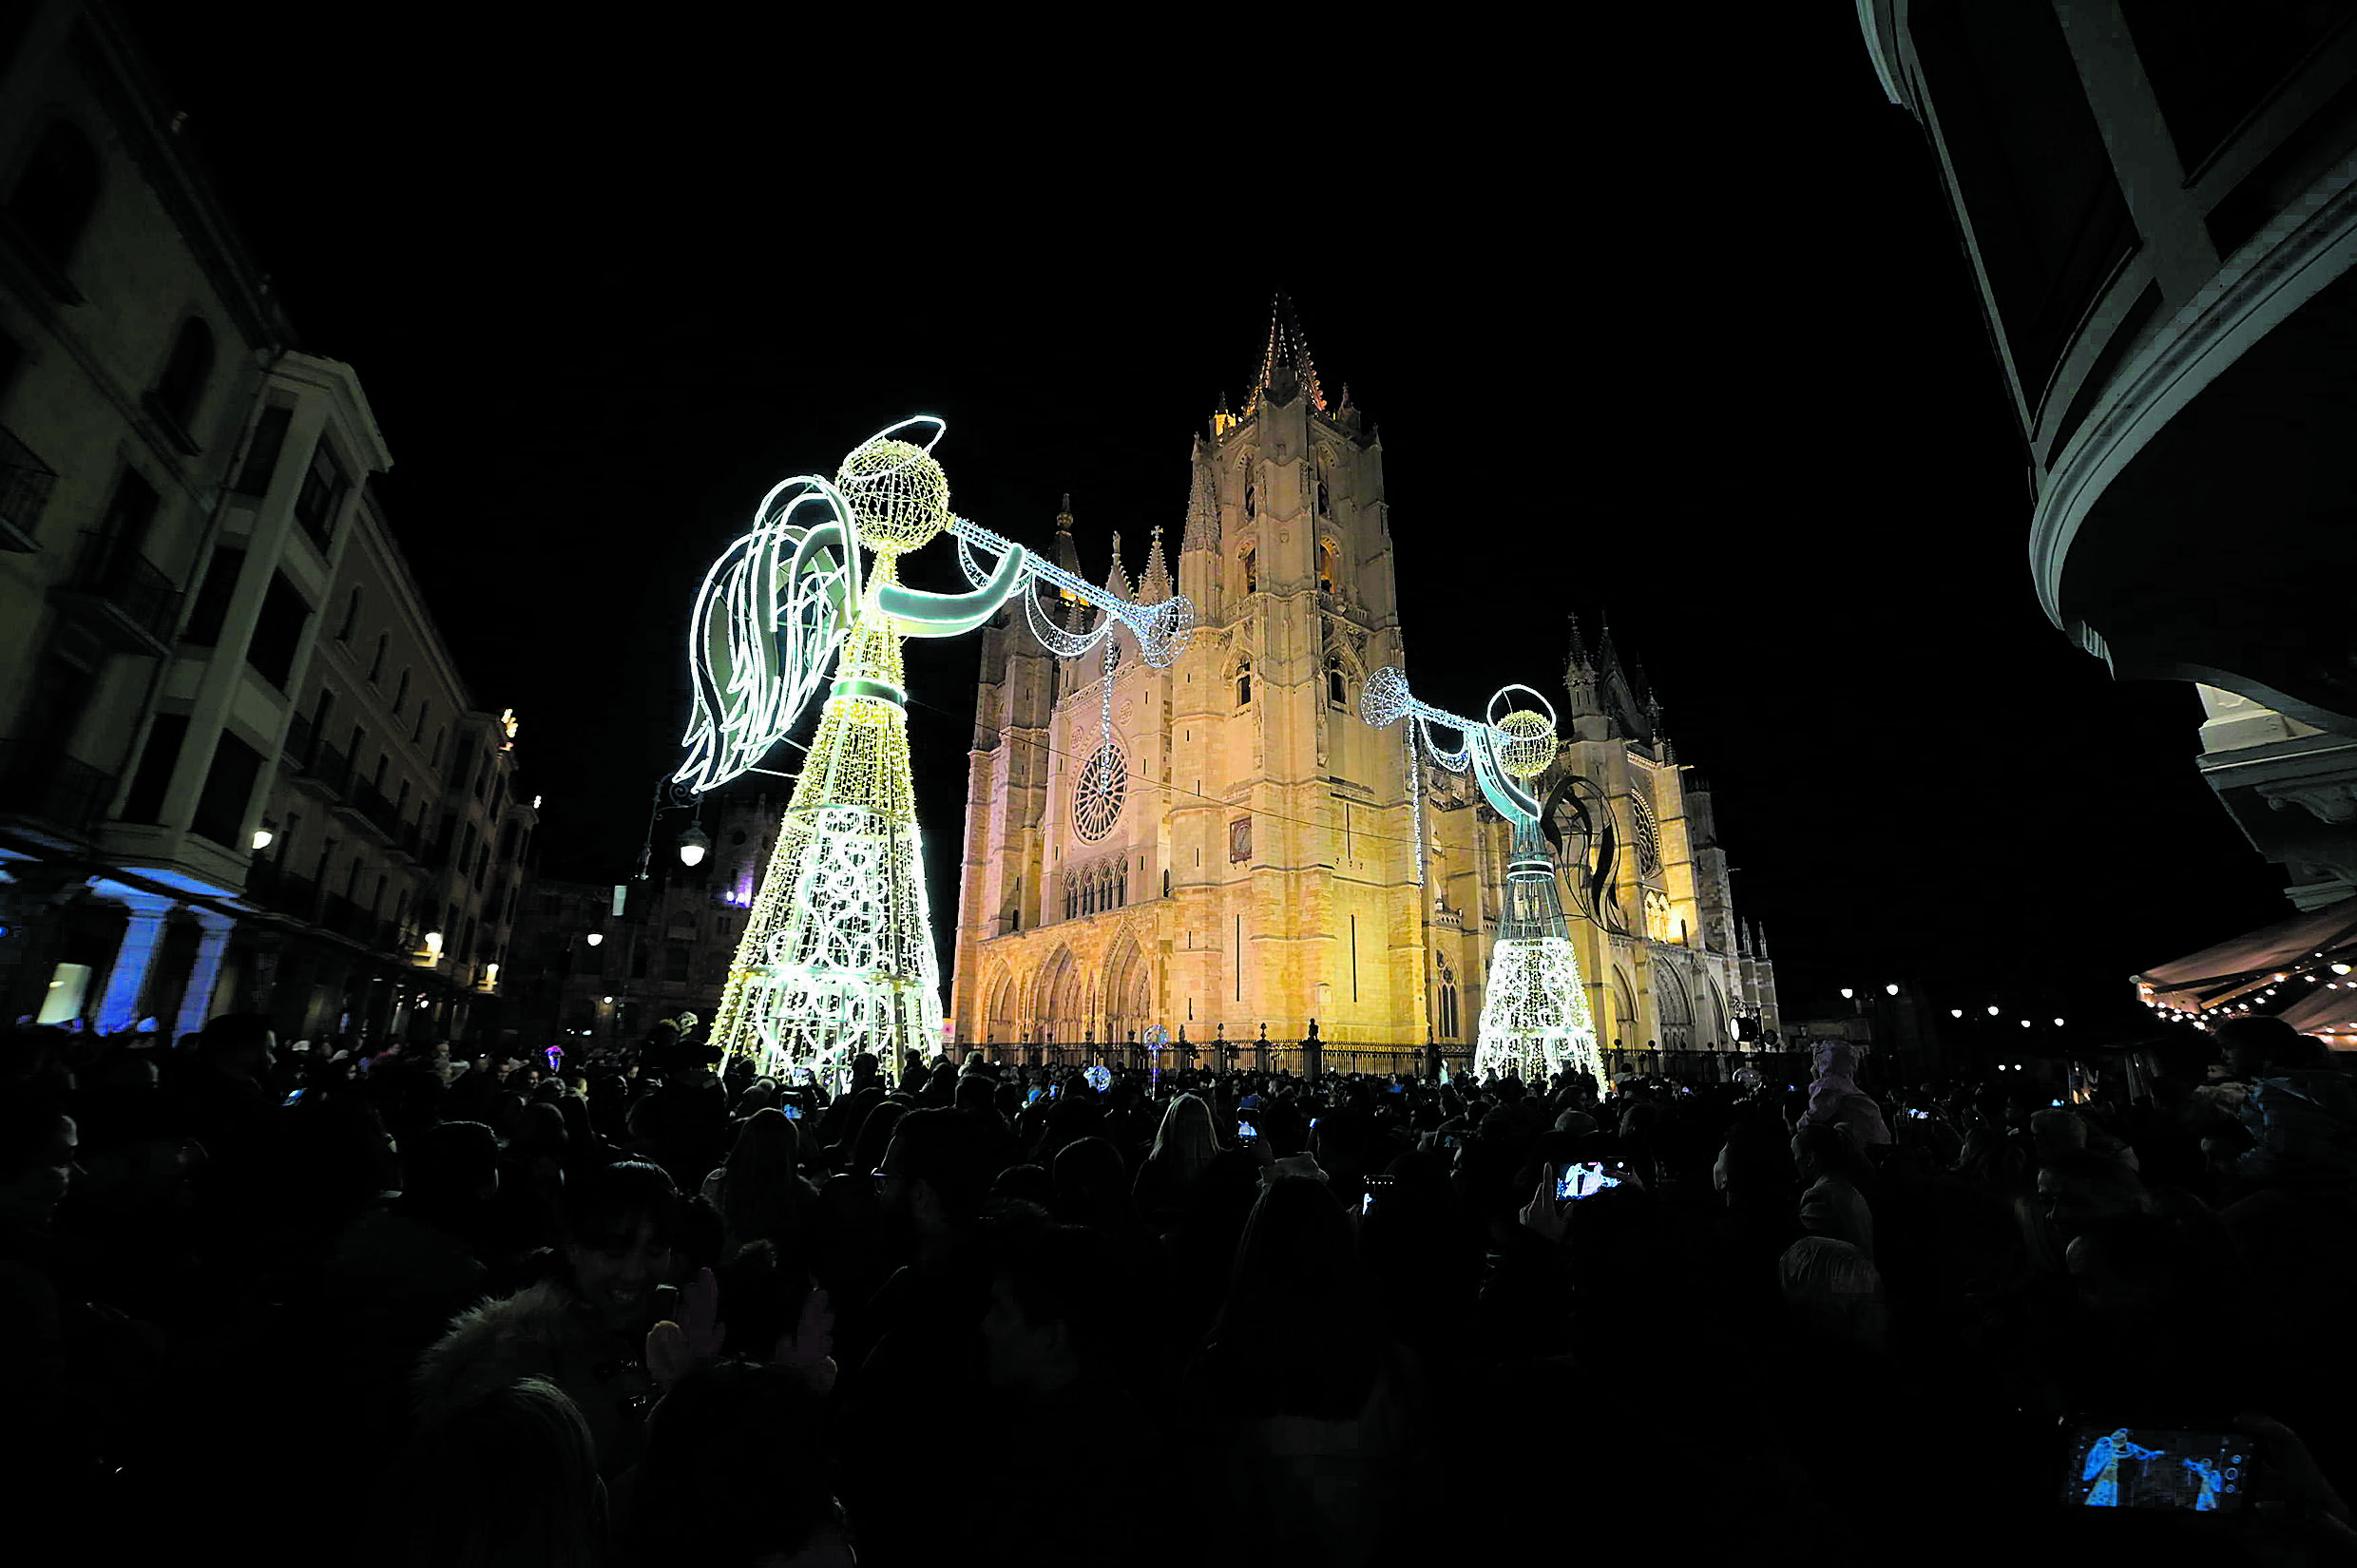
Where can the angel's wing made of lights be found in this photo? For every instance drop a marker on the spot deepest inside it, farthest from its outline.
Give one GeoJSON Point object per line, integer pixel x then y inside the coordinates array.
{"type": "Point", "coordinates": [768, 621]}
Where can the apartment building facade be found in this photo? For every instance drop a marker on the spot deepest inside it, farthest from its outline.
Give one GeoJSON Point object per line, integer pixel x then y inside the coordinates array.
{"type": "Point", "coordinates": [188, 551]}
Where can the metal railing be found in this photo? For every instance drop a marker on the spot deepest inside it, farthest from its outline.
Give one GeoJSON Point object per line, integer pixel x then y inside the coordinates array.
{"type": "Point", "coordinates": [267, 885]}
{"type": "Point", "coordinates": [111, 568]}
{"type": "Point", "coordinates": [331, 768]}
{"type": "Point", "coordinates": [1288, 1057]}
{"type": "Point", "coordinates": [25, 485]}
{"type": "Point", "coordinates": [299, 740]}
{"type": "Point", "coordinates": [36, 781]}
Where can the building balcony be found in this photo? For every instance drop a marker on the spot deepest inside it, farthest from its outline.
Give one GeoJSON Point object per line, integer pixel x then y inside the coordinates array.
{"type": "Point", "coordinates": [269, 886]}
{"type": "Point", "coordinates": [346, 919]}
{"type": "Point", "coordinates": [326, 771]}
{"type": "Point", "coordinates": [25, 485]}
{"type": "Point", "coordinates": [37, 783]}
{"type": "Point", "coordinates": [122, 594]}
{"type": "Point", "coordinates": [300, 741]}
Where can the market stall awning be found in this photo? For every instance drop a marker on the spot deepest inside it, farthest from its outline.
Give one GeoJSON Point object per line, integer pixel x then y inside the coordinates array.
{"type": "Point", "coordinates": [2329, 1011]}
{"type": "Point", "coordinates": [2249, 964]}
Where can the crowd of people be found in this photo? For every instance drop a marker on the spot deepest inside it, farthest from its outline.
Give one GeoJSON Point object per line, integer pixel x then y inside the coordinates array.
{"type": "Point", "coordinates": [637, 1310]}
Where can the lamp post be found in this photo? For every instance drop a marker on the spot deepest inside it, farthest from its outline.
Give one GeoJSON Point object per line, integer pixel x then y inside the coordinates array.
{"type": "Point", "coordinates": [672, 796]}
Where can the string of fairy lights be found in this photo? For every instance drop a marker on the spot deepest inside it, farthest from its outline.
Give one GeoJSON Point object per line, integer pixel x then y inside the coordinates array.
{"type": "Point", "coordinates": [2250, 993]}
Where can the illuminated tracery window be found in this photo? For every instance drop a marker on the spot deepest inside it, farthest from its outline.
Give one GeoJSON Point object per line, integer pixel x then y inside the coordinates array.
{"type": "Point", "coordinates": [1648, 835]}
{"type": "Point", "coordinates": [1097, 796]}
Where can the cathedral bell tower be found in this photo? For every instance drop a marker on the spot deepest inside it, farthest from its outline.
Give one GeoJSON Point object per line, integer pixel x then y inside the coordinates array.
{"type": "Point", "coordinates": [1224, 842]}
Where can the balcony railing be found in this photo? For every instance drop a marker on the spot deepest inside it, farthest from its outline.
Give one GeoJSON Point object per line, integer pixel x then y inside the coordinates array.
{"type": "Point", "coordinates": [330, 767]}
{"type": "Point", "coordinates": [25, 485]}
{"type": "Point", "coordinates": [36, 782]}
{"type": "Point", "coordinates": [347, 919]}
{"type": "Point", "coordinates": [273, 888]}
{"type": "Point", "coordinates": [140, 602]}
{"type": "Point", "coordinates": [299, 740]}
{"type": "Point", "coordinates": [377, 810]}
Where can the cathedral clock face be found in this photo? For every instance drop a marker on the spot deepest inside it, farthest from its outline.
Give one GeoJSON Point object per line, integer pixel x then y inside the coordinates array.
{"type": "Point", "coordinates": [1097, 794]}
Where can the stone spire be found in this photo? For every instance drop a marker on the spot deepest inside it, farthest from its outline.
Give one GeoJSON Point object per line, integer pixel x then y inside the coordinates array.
{"type": "Point", "coordinates": [1285, 364]}
{"type": "Point", "coordinates": [1155, 586]}
{"type": "Point", "coordinates": [1607, 656]}
{"type": "Point", "coordinates": [1117, 578]}
{"type": "Point", "coordinates": [1076, 614]}
{"type": "Point", "coordinates": [1577, 664]}
{"type": "Point", "coordinates": [1202, 529]}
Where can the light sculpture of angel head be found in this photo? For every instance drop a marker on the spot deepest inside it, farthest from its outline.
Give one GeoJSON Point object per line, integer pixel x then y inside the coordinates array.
{"type": "Point", "coordinates": [898, 495]}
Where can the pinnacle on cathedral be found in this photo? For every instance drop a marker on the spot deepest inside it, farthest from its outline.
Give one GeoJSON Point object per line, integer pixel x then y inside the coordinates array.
{"type": "Point", "coordinates": [1577, 665]}
{"type": "Point", "coordinates": [1607, 656]}
{"type": "Point", "coordinates": [1285, 364]}
{"type": "Point", "coordinates": [1202, 529]}
{"type": "Point", "coordinates": [1117, 578]}
{"type": "Point", "coordinates": [1155, 586]}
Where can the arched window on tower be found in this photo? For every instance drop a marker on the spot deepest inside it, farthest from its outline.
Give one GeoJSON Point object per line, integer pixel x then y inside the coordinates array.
{"type": "Point", "coordinates": [352, 617]}
{"type": "Point", "coordinates": [1252, 569]}
{"type": "Point", "coordinates": [1251, 502]}
{"type": "Point", "coordinates": [1326, 559]}
{"type": "Point", "coordinates": [1336, 697]}
{"type": "Point", "coordinates": [1243, 684]}
{"type": "Point", "coordinates": [1071, 898]}
{"type": "Point", "coordinates": [1120, 886]}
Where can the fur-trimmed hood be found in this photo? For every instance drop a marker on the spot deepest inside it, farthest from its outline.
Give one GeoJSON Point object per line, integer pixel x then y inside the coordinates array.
{"type": "Point", "coordinates": [488, 1347]}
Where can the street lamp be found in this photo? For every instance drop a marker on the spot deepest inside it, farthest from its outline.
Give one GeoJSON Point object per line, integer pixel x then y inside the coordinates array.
{"type": "Point", "coordinates": [595, 937]}
{"type": "Point", "coordinates": [1891, 989]}
{"type": "Point", "coordinates": [1955, 1012]}
{"type": "Point", "coordinates": [1992, 1009]}
{"type": "Point", "coordinates": [1848, 993]}
{"type": "Point", "coordinates": [672, 796]}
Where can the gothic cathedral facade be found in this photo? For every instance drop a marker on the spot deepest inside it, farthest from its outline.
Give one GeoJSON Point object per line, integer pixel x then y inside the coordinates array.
{"type": "Point", "coordinates": [1225, 846]}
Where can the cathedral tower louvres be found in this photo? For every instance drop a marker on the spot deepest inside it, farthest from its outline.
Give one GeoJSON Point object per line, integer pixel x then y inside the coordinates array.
{"type": "Point", "coordinates": [1225, 845]}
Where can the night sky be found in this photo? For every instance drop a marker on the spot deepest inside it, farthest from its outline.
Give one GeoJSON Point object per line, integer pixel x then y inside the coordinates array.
{"type": "Point", "coordinates": [1662, 324]}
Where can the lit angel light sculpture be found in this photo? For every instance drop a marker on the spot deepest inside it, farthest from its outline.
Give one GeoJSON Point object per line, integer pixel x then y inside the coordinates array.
{"type": "Point", "coordinates": [837, 952]}
{"type": "Point", "coordinates": [1535, 1014]}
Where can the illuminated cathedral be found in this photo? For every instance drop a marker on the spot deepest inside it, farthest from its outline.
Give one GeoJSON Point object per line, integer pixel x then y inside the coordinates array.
{"type": "Point", "coordinates": [1225, 846]}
